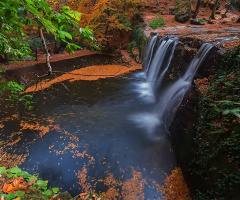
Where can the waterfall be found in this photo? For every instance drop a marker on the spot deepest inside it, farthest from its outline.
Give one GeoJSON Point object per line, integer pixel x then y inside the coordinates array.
{"type": "Point", "coordinates": [165, 109]}
{"type": "Point", "coordinates": [173, 96]}
{"type": "Point", "coordinates": [158, 59]}
{"type": "Point", "coordinates": [166, 44]}
{"type": "Point", "coordinates": [149, 52]}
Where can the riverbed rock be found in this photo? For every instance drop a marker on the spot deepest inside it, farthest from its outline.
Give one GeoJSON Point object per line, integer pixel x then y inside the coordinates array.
{"type": "Point", "coordinates": [182, 17]}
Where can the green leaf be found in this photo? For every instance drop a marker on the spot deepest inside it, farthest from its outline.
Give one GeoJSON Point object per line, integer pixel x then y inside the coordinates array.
{"type": "Point", "coordinates": [24, 174]}
{"type": "Point", "coordinates": [10, 175]}
{"type": "Point", "coordinates": [29, 2]}
{"type": "Point", "coordinates": [61, 34]}
{"type": "Point", "coordinates": [19, 193]}
{"type": "Point", "coordinates": [218, 131]}
{"type": "Point", "coordinates": [32, 177]}
{"type": "Point", "coordinates": [47, 192]}
{"type": "Point", "coordinates": [42, 183]}
{"type": "Point", "coordinates": [65, 8]}
{"type": "Point", "coordinates": [10, 196]}
{"type": "Point", "coordinates": [2, 170]}
{"type": "Point", "coordinates": [55, 190]}
{"type": "Point", "coordinates": [14, 170]}
{"type": "Point", "coordinates": [33, 10]}
{"type": "Point", "coordinates": [226, 112]}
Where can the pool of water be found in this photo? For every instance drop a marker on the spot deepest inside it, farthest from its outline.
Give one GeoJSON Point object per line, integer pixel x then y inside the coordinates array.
{"type": "Point", "coordinates": [94, 130]}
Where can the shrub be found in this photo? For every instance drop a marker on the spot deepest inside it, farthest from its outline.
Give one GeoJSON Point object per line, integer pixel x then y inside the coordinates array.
{"type": "Point", "coordinates": [156, 23]}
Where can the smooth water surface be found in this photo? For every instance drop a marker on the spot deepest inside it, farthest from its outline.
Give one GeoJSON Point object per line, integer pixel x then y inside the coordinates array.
{"type": "Point", "coordinates": [93, 117]}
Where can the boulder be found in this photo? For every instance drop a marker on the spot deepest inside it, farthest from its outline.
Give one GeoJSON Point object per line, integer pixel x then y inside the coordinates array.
{"type": "Point", "coordinates": [182, 17]}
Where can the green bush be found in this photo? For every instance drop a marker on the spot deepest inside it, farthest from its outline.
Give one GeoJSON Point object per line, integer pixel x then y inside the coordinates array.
{"type": "Point", "coordinates": [10, 91]}
{"type": "Point", "coordinates": [156, 23]}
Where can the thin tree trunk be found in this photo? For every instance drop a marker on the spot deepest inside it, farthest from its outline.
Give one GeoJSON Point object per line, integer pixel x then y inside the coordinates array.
{"type": "Point", "coordinates": [46, 50]}
{"type": "Point", "coordinates": [214, 10]}
{"type": "Point", "coordinates": [197, 9]}
{"type": "Point", "coordinates": [229, 6]}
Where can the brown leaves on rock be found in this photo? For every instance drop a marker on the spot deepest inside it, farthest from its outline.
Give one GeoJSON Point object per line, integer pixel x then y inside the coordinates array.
{"type": "Point", "coordinates": [202, 85]}
{"type": "Point", "coordinates": [175, 187]}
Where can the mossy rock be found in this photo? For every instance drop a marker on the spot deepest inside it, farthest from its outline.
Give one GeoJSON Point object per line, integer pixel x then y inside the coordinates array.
{"type": "Point", "coordinates": [200, 21]}
{"type": "Point", "coordinates": [182, 18]}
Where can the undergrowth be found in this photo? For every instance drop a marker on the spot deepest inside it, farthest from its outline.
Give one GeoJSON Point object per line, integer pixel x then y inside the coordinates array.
{"type": "Point", "coordinates": [216, 152]}
{"type": "Point", "coordinates": [22, 185]}
{"type": "Point", "coordinates": [156, 23]}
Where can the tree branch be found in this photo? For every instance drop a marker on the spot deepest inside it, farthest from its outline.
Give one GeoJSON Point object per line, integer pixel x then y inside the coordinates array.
{"type": "Point", "coordinates": [46, 50]}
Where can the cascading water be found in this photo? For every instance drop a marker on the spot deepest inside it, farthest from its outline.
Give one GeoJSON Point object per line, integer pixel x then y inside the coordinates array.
{"type": "Point", "coordinates": [156, 65]}
{"type": "Point", "coordinates": [173, 96]}
{"type": "Point", "coordinates": [165, 109]}
{"type": "Point", "coordinates": [149, 52]}
{"type": "Point", "coordinates": [165, 45]}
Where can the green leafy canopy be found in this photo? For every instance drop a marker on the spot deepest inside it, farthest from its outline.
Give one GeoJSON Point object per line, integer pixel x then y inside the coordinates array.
{"type": "Point", "coordinates": [15, 14]}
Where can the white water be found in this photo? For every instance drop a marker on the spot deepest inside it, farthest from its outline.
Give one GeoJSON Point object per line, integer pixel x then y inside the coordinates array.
{"type": "Point", "coordinates": [149, 52]}
{"type": "Point", "coordinates": [165, 109]}
{"type": "Point", "coordinates": [155, 63]}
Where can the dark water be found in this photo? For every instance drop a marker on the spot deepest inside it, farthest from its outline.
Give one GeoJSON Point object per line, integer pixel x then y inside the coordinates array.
{"type": "Point", "coordinates": [97, 113]}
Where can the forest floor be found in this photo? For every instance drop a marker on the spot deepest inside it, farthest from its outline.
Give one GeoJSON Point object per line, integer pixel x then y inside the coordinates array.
{"type": "Point", "coordinates": [218, 31]}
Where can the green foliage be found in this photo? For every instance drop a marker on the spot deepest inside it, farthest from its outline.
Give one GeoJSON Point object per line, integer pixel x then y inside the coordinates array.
{"type": "Point", "coordinates": [182, 7]}
{"type": "Point", "coordinates": [16, 14]}
{"type": "Point", "coordinates": [39, 185]}
{"type": "Point", "coordinates": [36, 43]}
{"type": "Point", "coordinates": [216, 152]}
{"type": "Point", "coordinates": [156, 23]}
{"type": "Point", "coordinates": [138, 37]}
{"type": "Point", "coordinates": [11, 91]}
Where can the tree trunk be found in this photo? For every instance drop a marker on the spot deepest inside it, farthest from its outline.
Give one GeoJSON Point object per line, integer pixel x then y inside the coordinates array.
{"type": "Point", "coordinates": [46, 50]}
{"type": "Point", "coordinates": [214, 9]}
{"type": "Point", "coordinates": [229, 6]}
{"type": "Point", "coordinates": [197, 9]}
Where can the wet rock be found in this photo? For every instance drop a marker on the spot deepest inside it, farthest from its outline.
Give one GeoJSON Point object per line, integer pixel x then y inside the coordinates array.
{"type": "Point", "coordinates": [182, 17]}
{"type": "Point", "coordinates": [198, 21]}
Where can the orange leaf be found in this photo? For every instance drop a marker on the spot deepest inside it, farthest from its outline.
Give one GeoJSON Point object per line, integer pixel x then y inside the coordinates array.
{"type": "Point", "coordinates": [10, 189]}
{"type": "Point", "coordinates": [5, 186]}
